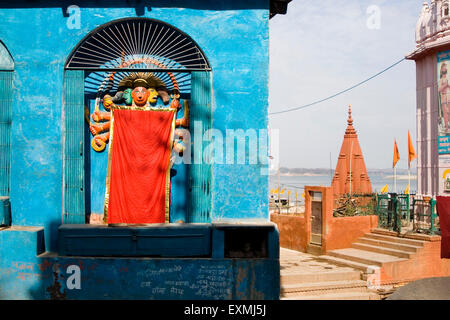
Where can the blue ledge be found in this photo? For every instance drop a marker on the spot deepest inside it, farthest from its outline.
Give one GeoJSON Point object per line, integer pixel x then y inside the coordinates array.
{"type": "Point", "coordinates": [163, 240]}
{"type": "Point", "coordinates": [216, 240]}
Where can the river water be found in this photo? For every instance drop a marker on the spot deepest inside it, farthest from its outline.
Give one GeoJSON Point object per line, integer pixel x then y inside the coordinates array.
{"type": "Point", "coordinates": [297, 183]}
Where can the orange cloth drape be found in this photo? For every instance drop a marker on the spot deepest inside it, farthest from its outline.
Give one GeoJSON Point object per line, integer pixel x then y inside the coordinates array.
{"type": "Point", "coordinates": [138, 182]}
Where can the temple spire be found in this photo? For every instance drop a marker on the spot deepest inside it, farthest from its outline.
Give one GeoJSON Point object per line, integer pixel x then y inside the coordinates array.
{"type": "Point", "coordinates": [351, 174]}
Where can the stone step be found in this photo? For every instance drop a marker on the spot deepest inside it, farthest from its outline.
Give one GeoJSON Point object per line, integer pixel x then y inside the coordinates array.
{"type": "Point", "coordinates": [344, 262]}
{"type": "Point", "coordinates": [389, 244]}
{"type": "Point", "coordinates": [418, 243]}
{"type": "Point", "coordinates": [337, 296]}
{"type": "Point", "coordinates": [314, 249]}
{"type": "Point", "coordinates": [308, 288]}
{"type": "Point", "coordinates": [380, 249]}
{"type": "Point", "coordinates": [302, 277]}
{"type": "Point", "coordinates": [365, 257]}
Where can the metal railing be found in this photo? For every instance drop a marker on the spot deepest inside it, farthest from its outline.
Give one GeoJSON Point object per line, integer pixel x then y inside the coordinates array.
{"type": "Point", "coordinates": [286, 206]}
{"type": "Point", "coordinates": [425, 218]}
{"type": "Point", "coordinates": [407, 212]}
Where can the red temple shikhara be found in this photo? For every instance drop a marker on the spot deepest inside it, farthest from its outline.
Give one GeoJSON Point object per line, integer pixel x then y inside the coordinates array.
{"type": "Point", "coordinates": [350, 175]}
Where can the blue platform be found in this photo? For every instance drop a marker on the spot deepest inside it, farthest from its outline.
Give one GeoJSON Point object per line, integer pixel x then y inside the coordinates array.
{"type": "Point", "coordinates": [216, 261]}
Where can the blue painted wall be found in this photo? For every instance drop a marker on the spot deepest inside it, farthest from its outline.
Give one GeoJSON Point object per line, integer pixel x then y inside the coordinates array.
{"type": "Point", "coordinates": [234, 36]}
{"type": "Point", "coordinates": [234, 41]}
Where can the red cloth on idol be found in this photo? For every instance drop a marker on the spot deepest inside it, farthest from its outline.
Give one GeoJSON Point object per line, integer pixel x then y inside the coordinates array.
{"type": "Point", "coordinates": [443, 208]}
{"type": "Point", "coordinates": [139, 166]}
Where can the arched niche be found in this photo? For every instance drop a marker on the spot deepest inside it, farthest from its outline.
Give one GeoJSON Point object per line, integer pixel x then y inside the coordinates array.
{"type": "Point", "coordinates": [96, 66]}
{"type": "Point", "coordinates": [6, 99]}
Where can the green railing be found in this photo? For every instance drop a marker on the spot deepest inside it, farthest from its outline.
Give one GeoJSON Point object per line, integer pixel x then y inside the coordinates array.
{"type": "Point", "coordinates": [390, 210]}
{"type": "Point", "coordinates": [425, 216]}
{"type": "Point", "coordinates": [384, 211]}
{"type": "Point", "coordinates": [397, 211]}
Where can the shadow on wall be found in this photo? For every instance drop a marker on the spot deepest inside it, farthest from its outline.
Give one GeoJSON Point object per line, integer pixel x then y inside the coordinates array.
{"type": "Point", "coordinates": [25, 265]}
{"type": "Point", "coordinates": [141, 5]}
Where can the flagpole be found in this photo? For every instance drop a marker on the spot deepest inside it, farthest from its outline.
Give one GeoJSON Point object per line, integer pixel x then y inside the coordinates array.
{"type": "Point", "coordinates": [279, 208]}
{"type": "Point", "coordinates": [409, 178]}
{"type": "Point", "coordinates": [395, 179]}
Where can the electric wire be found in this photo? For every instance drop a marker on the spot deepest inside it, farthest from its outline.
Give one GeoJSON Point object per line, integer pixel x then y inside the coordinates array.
{"type": "Point", "coordinates": [339, 93]}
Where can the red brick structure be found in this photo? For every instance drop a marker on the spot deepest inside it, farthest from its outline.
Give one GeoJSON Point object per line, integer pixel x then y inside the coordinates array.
{"type": "Point", "coordinates": [338, 232]}
{"type": "Point", "coordinates": [350, 175]}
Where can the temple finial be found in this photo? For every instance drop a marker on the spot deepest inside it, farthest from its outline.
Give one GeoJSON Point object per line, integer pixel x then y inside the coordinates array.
{"type": "Point", "coordinates": [350, 120]}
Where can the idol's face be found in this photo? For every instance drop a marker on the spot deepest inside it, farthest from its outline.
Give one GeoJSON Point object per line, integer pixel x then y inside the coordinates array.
{"type": "Point", "coordinates": [140, 96]}
{"type": "Point", "coordinates": [153, 95]}
{"type": "Point", "coordinates": [127, 96]}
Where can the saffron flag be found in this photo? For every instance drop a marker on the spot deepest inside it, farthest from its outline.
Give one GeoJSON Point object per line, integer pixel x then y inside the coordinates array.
{"type": "Point", "coordinates": [411, 152]}
{"type": "Point", "coordinates": [443, 210]}
{"type": "Point", "coordinates": [138, 179]}
{"type": "Point", "coordinates": [396, 154]}
{"type": "Point", "coordinates": [407, 189]}
{"type": "Point", "coordinates": [384, 189]}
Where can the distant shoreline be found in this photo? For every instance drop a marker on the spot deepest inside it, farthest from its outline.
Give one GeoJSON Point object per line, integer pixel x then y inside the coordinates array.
{"type": "Point", "coordinates": [322, 172]}
{"type": "Point", "coordinates": [399, 177]}
{"type": "Point", "coordinates": [300, 175]}
{"type": "Point", "coordinates": [402, 177]}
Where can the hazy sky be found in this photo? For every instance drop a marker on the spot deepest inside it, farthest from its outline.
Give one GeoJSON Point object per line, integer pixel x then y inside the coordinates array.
{"type": "Point", "coordinates": [322, 47]}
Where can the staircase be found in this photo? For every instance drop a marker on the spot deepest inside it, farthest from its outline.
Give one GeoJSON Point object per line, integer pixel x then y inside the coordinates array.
{"type": "Point", "coordinates": [377, 249]}
{"type": "Point", "coordinates": [305, 277]}
{"type": "Point", "coordinates": [369, 270]}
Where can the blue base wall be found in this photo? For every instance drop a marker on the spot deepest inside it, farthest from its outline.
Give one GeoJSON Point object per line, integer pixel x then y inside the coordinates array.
{"type": "Point", "coordinates": [27, 272]}
{"type": "Point", "coordinates": [145, 278]}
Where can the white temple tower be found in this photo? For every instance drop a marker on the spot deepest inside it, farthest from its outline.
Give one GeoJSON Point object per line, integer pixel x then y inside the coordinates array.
{"type": "Point", "coordinates": [432, 57]}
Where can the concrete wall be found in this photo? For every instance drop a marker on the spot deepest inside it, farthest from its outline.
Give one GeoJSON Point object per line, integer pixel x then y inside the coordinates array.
{"type": "Point", "coordinates": [343, 231]}
{"type": "Point", "coordinates": [293, 232]}
{"type": "Point", "coordinates": [233, 36]}
{"type": "Point", "coordinates": [425, 263]}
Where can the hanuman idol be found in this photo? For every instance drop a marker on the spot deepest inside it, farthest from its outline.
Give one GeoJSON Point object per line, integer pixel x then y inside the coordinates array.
{"type": "Point", "coordinates": [141, 91]}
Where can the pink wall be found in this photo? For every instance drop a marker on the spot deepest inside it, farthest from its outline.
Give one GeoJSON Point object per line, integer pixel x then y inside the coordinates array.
{"type": "Point", "coordinates": [343, 231]}
{"type": "Point", "coordinates": [292, 230]}
{"type": "Point", "coordinates": [337, 232]}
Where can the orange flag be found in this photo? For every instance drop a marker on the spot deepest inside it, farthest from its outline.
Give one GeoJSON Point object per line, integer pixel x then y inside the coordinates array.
{"type": "Point", "coordinates": [411, 152]}
{"type": "Point", "coordinates": [396, 154]}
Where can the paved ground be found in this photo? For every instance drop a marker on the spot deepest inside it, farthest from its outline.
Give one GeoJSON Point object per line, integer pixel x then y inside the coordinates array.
{"type": "Point", "coordinates": [305, 277]}
{"type": "Point", "coordinates": [298, 262]}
